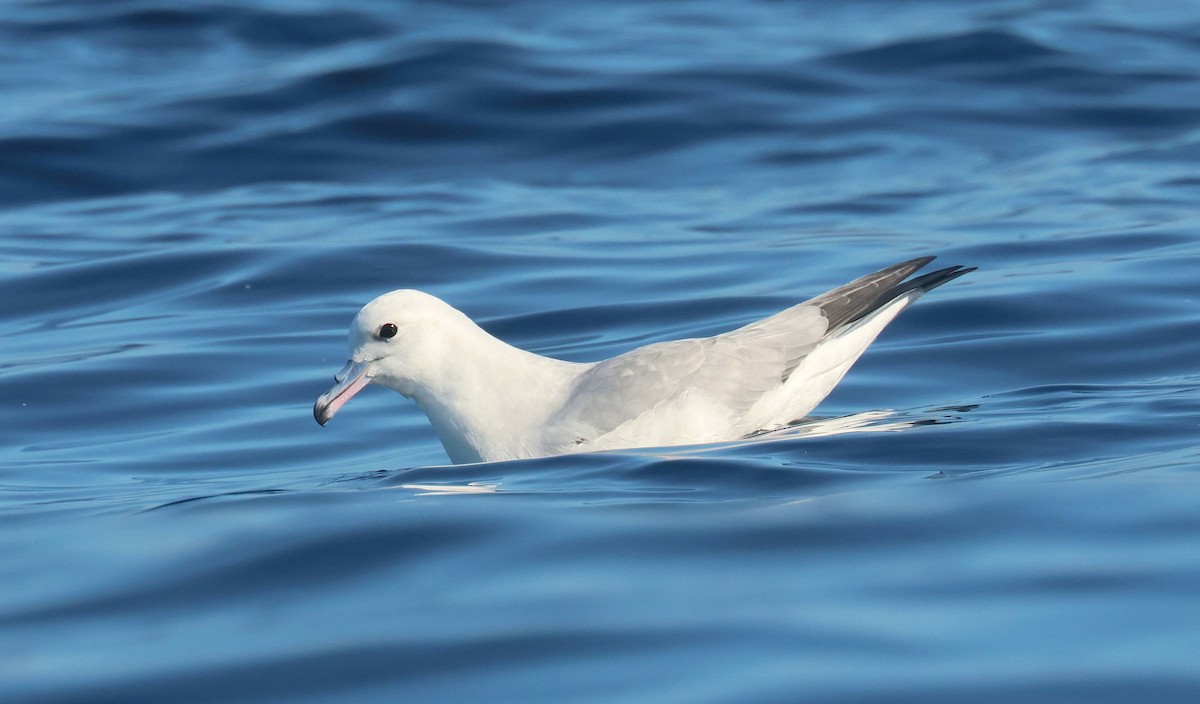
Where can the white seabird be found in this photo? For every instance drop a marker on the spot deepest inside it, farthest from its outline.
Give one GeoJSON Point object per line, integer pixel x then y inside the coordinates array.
{"type": "Point", "coordinates": [490, 401]}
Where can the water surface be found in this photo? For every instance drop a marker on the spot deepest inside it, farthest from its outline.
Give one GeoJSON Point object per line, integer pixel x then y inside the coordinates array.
{"type": "Point", "coordinates": [1000, 503]}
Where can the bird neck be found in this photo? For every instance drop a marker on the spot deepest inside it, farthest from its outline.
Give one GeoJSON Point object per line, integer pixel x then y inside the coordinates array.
{"type": "Point", "coordinates": [494, 400]}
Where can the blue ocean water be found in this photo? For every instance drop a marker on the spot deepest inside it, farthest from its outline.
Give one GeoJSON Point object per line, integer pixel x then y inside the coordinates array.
{"type": "Point", "coordinates": [195, 198]}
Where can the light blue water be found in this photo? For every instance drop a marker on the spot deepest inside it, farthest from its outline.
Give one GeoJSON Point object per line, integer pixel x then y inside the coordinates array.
{"type": "Point", "coordinates": [196, 199]}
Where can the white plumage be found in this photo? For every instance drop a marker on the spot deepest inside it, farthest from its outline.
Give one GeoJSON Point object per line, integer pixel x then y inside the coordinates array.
{"type": "Point", "coordinates": [490, 401]}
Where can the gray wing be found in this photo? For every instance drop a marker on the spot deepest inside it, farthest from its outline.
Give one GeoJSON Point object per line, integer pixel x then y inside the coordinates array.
{"type": "Point", "coordinates": [734, 369]}
{"type": "Point", "coordinates": [738, 367]}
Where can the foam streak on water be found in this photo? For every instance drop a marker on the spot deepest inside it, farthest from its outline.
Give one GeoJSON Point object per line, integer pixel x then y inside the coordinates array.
{"type": "Point", "coordinates": [1000, 502]}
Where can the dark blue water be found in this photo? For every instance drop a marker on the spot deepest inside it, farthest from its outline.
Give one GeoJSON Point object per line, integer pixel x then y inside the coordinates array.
{"type": "Point", "coordinates": [195, 199]}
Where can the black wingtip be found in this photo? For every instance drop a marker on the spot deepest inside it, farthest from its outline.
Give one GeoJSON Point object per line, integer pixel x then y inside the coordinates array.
{"type": "Point", "coordinates": [920, 284]}
{"type": "Point", "coordinates": [930, 281]}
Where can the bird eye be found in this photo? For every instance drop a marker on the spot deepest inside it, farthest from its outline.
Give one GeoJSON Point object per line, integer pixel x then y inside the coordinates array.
{"type": "Point", "coordinates": [387, 331]}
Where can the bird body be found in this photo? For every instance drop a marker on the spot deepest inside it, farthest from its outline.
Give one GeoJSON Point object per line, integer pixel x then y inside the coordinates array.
{"type": "Point", "coordinates": [489, 401]}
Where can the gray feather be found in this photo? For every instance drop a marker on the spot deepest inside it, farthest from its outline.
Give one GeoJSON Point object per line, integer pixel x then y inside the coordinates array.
{"type": "Point", "coordinates": [736, 368]}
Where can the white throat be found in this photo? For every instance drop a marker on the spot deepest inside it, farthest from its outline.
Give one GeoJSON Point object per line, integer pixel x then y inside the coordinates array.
{"type": "Point", "coordinates": [488, 400]}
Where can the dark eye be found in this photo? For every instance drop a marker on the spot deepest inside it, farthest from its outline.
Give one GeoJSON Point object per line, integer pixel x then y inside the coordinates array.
{"type": "Point", "coordinates": [387, 331]}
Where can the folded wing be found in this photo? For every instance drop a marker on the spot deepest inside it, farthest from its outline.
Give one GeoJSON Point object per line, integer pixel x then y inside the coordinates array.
{"type": "Point", "coordinates": [728, 372]}
{"type": "Point", "coordinates": [670, 384]}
